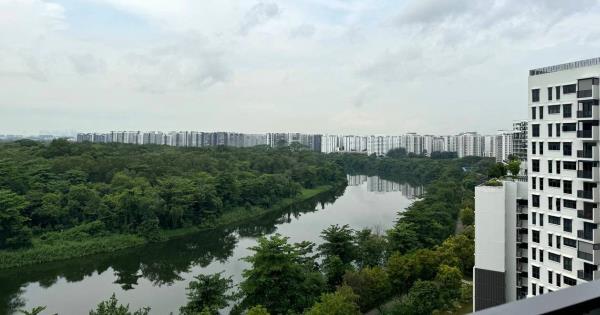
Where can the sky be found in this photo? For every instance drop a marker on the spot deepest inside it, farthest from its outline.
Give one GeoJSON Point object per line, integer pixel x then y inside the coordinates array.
{"type": "Point", "coordinates": [315, 66]}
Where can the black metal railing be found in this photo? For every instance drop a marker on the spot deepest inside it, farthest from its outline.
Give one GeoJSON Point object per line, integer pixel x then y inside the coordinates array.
{"type": "Point", "coordinates": [584, 114]}
{"type": "Point", "coordinates": [583, 275]}
{"type": "Point", "coordinates": [586, 235]}
{"type": "Point", "coordinates": [586, 154]}
{"type": "Point", "coordinates": [584, 93]}
{"type": "Point", "coordinates": [586, 194]}
{"type": "Point", "coordinates": [584, 174]}
{"type": "Point", "coordinates": [584, 133]}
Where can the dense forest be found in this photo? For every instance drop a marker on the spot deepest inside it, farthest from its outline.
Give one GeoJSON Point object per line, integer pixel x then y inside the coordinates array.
{"type": "Point", "coordinates": [52, 195]}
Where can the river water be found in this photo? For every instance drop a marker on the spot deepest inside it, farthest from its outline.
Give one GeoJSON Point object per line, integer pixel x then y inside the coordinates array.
{"type": "Point", "coordinates": [157, 275]}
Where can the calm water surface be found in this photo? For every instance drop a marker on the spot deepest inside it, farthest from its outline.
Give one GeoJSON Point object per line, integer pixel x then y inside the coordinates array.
{"type": "Point", "coordinates": [157, 275]}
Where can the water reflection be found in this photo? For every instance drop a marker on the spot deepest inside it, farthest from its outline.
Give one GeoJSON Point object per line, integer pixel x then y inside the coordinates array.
{"type": "Point", "coordinates": [156, 275]}
{"type": "Point", "coordinates": [380, 185]}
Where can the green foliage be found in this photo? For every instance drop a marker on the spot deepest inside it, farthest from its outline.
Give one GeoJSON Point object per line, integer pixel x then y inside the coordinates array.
{"type": "Point", "coordinates": [514, 167]}
{"type": "Point", "coordinates": [14, 232]}
{"type": "Point", "coordinates": [112, 307]}
{"type": "Point", "coordinates": [282, 276]}
{"type": "Point", "coordinates": [498, 170]}
{"type": "Point", "coordinates": [371, 284]}
{"type": "Point", "coordinates": [370, 248]}
{"type": "Point", "coordinates": [34, 311]}
{"type": "Point", "coordinates": [422, 299]}
{"type": "Point", "coordinates": [338, 241]}
{"type": "Point", "coordinates": [341, 302]}
{"type": "Point", "coordinates": [449, 280]}
{"type": "Point", "coordinates": [208, 293]}
{"type": "Point", "coordinates": [467, 216]}
{"type": "Point", "coordinates": [397, 153]}
{"type": "Point", "coordinates": [257, 310]}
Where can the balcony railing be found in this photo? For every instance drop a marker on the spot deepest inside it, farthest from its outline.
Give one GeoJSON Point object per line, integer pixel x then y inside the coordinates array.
{"type": "Point", "coordinates": [586, 154]}
{"type": "Point", "coordinates": [584, 133]}
{"type": "Point", "coordinates": [585, 194]}
{"type": "Point", "coordinates": [584, 114]}
{"type": "Point", "coordinates": [584, 93]}
{"type": "Point", "coordinates": [586, 235]}
{"type": "Point", "coordinates": [585, 214]}
{"type": "Point", "coordinates": [583, 275]}
{"type": "Point", "coordinates": [586, 256]}
{"type": "Point", "coordinates": [585, 174]}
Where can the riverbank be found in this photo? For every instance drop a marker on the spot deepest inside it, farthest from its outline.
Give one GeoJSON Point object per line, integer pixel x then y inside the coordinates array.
{"type": "Point", "coordinates": [72, 245]}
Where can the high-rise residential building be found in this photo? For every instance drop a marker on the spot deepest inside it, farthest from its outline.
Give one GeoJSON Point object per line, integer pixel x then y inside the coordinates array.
{"type": "Point", "coordinates": [504, 145]}
{"type": "Point", "coordinates": [489, 146]}
{"type": "Point", "coordinates": [469, 144]}
{"type": "Point", "coordinates": [501, 253]}
{"type": "Point", "coordinates": [519, 140]}
{"type": "Point", "coordinates": [563, 174]}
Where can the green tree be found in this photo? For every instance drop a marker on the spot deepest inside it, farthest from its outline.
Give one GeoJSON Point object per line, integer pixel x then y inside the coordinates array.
{"type": "Point", "coordinates": [370, 248]}
{"type": "Point", "coordinates": [449, 280]}
{"type": "Point", "coordinates": [497, 170]}
{"type": "Point", "coordinates": [14, 232]}
{"type": "Point", "coordinates": [371, 284]}
{"type": "Point", "coordinates": [467, 216]}
{"type": "Point", "coordinates": [257, 310]}
{"type": "Point", "coordinates": [112, 307]}
{"type": "Point", "coordinates": [334, 270]}
{"type": "Point", "coordinates": [281, 278]}
{"type": "Point", "coordinates": [403, 237]}
{"type": "Point", "coordinates": [338, 241]}
{"type": "Point", "coordinates": [514, 167]}
{"type": "Point", "coordinates": [208, 292]}
{"type": "Point", "coordinates": [341, 302]}
{"type": "Point", "coordinates": [34, 311]}
{"type": "Point", "coordinates": [422, 299]}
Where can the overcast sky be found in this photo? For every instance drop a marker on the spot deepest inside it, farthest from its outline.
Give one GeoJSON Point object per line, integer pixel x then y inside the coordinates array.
{"type": "Point", "coordinates": [347, 66]}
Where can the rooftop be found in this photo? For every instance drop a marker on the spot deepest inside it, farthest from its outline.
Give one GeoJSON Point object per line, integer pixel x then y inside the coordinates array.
{"type": "Point", "coordinates": [566, 66]}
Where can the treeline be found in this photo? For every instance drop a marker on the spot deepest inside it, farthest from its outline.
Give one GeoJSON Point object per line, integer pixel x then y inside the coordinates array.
{"type": "Point", "coordinates": [83, 190]}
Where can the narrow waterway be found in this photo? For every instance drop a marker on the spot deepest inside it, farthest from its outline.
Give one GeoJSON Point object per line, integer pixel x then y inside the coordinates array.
{"type": "Point", "coordinates": [157, 275]}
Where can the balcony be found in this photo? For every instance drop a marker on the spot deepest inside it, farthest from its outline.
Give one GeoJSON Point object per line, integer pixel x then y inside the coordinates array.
{"type": "Point", "coordinates": [585, 235]}
{"type": "Point", "coordinates": [522, 282]}
{"type": "Point", "coordinates": [588, 154]}
{"type": "Point", "coordinates": [584, 133]}
{"type": "Point", "coordinates": [588, 174]}
{"type": "Point", "coordinates": [585, 275]}
{"type": "Point", "coordinates": [521, 209]}
{"type": "Point", "coordinates": [586, 214]}
{"type": "Point", "coordinates": [588, 194]}
{"type": "Point", "coordinates": [585, 256]}
{"type": "Point", "coordinates": [584, 93]}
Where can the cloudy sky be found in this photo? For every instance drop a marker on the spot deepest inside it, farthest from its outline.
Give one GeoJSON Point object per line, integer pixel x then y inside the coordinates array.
{"type": "Point", "coordinates": [345, 66]}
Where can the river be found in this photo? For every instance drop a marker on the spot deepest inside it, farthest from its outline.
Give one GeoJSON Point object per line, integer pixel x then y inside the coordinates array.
{"type": "Point", "coordinates": [157, 275]}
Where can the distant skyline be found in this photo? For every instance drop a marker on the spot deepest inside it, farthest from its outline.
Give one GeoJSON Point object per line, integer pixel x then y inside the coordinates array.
{"type": "Point", "coordinates": [313, 66]}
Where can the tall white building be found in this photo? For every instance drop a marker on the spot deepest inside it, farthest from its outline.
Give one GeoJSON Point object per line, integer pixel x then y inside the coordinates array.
{"type": "Point", "coordinates": [489, 146]}
{"type": "Point", "coordinates": [563, 175]}
{"type": "Point", "coordinates": [469, 144]}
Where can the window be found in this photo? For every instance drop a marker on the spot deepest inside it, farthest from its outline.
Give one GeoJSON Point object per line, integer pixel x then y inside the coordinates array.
{"type": "Point", "coordinates": [541, 112]}
{"type": "Point", "coordinates": [541, 183]}
{"type": "Point", "coordinates": [553, 146]}
{"type": "Point", "coordinates": [558, 93]}
{"type": "Point", "coordinates": [554, 183]}
{"type": "Point", "coordinates": [569, 281]}
{"type": "Point", "coordinates": [567, 264]}
{"type": "Point", "coordinates": [557, 204]}
{"type": "Point", "coordinates": [557, 167]}
{"type": "Point", "coordinates": [569, 242]}
{"type": "Point", "coordinates": [535, 272]}
{"type": "Point", "coordinates": [558, 280]}
{"type": "Point", "coordinates": [533, 253]}
{"type": "Point", "coordinates": [535, 130]}
{"type": "Point", "coordinates": [549, 131]}
{"type": "Point", "coordinates": [541, 255]}
{"type": "Point", "coordinates": [533, 289]}
{"type": "Point", "coordinates": [566, 110]}
{"type": "Point", "coordinates": [541, 290]}
{"type": "Point", "coordinates": [533, 111]}
{"type": "Point", "coordinates": [533, 182]}
{"type": "Point", "coordinates": [535, 95]}
{"type": "Point", "coordinates": [567, 148]}
{"type": "Point", "coordinates": [541, 145]}
{"type": "Point", "coordinates": [535, 165]}
{"type": "Point", "coordinates": [550, 239]}
{"type": "Point", "coordinates": [553, 219]}
{"type": "Point", "coordinates": [557, 129]}
{"type": "Point", "coordinates": [550, 276]}
{"type": "Point", "coordinates": [535, 236]}
{"type": "Point", "coordinates": [533, 147]}
{"type": "Point", "coordinates": [567, 187]}
{"type": "Point", "coordinates": [567, 225]}
{"type": "Point", "coordinates": [549, 166]}
{"type": "Point", "coordinates": [569, 127]}
{"type": "Point", "coordinates": [572, 204]}
{"type": "Point", "coordinates": [569, 165]}
{"type": "Point", "coordinates": [535, 201]}
{"type": "Point", "coordinates": [533, 217]}
{"type": "Point", "coordinates": [554, 257]}
{"type": "Point", "coordinates": [549, 93]}
{"type": "Point", "coordinates": [549, 203]}
{"type": "Point", "coordinates": [558, 241]}
{"type": "Point", "coordinates": [567, 89]}
{"type": "Point", "coordinates": [541, 219]}
{"type": "Point", "coordinates": [554, 109]}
